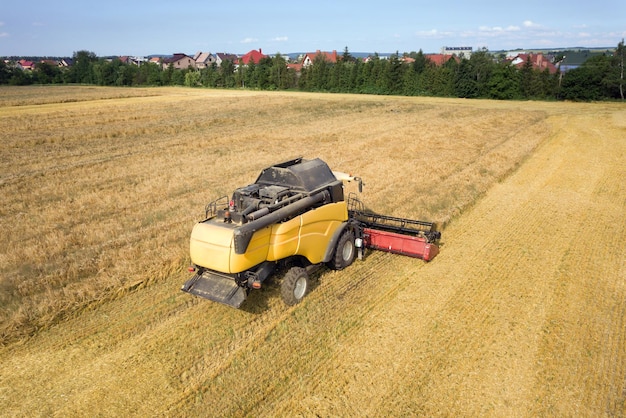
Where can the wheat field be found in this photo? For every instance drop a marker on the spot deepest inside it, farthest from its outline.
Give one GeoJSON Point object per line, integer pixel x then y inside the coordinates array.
{"type": "Point", "coordinates": [521, 314]}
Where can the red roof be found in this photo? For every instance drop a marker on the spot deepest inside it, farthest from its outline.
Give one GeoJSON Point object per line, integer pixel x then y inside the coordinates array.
{"type": "Point", "coordinates": [254, 56]}
{"type": "Point", "coordinates": [26, 64]}
{"type": "Point", "coordinates": [538, 61]}
{"type": "Point", "coordinates": [296, 67]}
{"type": "Point", "coordinates": [440, 59]}
{"type": "Point", "coordinates": [330, 57]}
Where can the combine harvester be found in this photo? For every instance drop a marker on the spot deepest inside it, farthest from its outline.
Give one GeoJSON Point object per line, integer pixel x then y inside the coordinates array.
{"type": "Point", "coordinates": [292, 219]}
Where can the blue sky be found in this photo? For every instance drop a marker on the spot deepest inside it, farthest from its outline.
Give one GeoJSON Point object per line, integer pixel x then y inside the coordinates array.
{"type": "Point", "coordinates": [128, 27]}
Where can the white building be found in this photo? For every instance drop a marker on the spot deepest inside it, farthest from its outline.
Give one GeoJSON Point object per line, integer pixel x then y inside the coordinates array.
{"type": "Point", "coordinates": [459, 51]}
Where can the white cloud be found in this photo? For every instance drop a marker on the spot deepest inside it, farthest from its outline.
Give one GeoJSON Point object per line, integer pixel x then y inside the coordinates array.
{"type": "Point", "coordinates": [280, 39]}
{"type": "Point", "coordinates": [525, 34]}
{"type": "Point", "coordinates": [4, 34]}
{"type": "Point", "coordinates": [249, 40]}
{"type": "Point", "coordinates": [498, 29]}
{"type": "Point", "coordinates": [529, 24]}
{"type": "Point", "coordinates": [433, 33]}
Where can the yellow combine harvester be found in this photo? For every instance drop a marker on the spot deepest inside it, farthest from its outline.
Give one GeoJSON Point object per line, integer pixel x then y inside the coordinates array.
{"type": "Point", "coordinates": [293, 217]}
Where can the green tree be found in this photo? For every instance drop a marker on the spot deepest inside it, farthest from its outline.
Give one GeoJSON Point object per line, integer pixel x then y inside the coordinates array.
{"type": "Point", "coordinates": [346, 57]}
{"type": "Point", "coordinates": [420, 62]}
{"type": "Point", "coordinates": [504, 84]}
{"type": "Point", "coordinates": [413, 75]}
{"type": "Point", "coordinates": [20, 77]}
{"type": "Point", "coordinates": [598, 78]}
{"type": "Point", "coordinates": [621, 52]}
{"type": "Point", "coordinates": [336, 77]}
{"type": "Point", "coordinates": [371, 75]}
{"type": "Point", "coordinates": [615, 76]}
{"type": "Point", "coordinates": [209, 76]}
{"type": "Point", "coordinates": [149, 74]}
{"type": "Point", "coordinates": [465, 84]}
{"type": "Point", "coordinates": [249, 75]}
{"type": "Point", "coordinates": [178, 77]}
{"type": "Point", "coordinates": [278, 77]}
{"type": "Point", "coordinates": [394, 75]}
{"type": "Point", "coordinates": [264, 74]}
{"type": "Point", "coordinates": [362, 77]}
{"type": "Point", "coordinates": [355, 70]}
{"type": "Point", "coordinates": [320, 73]}
{"type": "Point", "coordinates": [347, 76]}
{"type": "Point", "coordinates": [46, 73]}
{"type": "Point", "coordinates": [6, 73]}
{"type": "Point", "coordinates": [192, 79]}
{"type": "Point", "coordinates": [482, 66]}
{"type": "Point", "coordinates": [81, 70]}
{"type": "Point", "coordinates": [239, 74]}
{"type": "Point", "coordinates": [526, 78]}
{"type": "Point", "coordinates": [127, 74]}
{"type": "Point", "coordinates": [304, 81]}
{"type": "Point", "coordinates": [411, 82]}
{"type": "Point", "coordinates": [584, 83]}
{"type": "Point", "coordinates": [544, 85]}
{"type": "Point", "coordinates": [105, 73]}
{"type": "Point", "coordinates": [167, 75]}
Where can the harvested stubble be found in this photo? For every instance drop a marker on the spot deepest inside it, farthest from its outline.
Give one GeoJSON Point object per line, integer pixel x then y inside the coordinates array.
{"type": "Point", "coordinates": [516, 316]}
{"type": "Point", "coordinates": [101, 189]}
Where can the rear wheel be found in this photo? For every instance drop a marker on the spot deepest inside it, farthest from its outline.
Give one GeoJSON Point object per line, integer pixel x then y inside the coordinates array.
{"type": "Point", "coordinates": [345, 251]}
{"type": "Point", "coordinates": [295, 285]}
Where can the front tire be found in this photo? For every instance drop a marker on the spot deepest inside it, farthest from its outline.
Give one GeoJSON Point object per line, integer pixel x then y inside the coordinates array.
{"type": "Point", "coordinates": [295, 285]}
{"type": "Point", "coordinates": [344, 252]}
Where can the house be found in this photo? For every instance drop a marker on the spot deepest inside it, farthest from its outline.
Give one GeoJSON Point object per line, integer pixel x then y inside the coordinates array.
{"type": "Point", "coordinates": [538, 61]}
{"type": "Point", "coordinates": [25, 65]}
{"type": "Point", "coordinates": [204, 59]}
{"type": "Point", "coordinates": [179, 61]}
{"type": "Point", "coordinates": [253, 56]}
{"type": "Point", "coordinates": [330, 57]}
{"type": "Point", "coordinates": [125, 59]}
{"type": "Point", "coordinates": [297, 67]}
{"type": "Point", "coordinates": [220, 57]}
{"type": "Point", "coordinates": [441, 59]}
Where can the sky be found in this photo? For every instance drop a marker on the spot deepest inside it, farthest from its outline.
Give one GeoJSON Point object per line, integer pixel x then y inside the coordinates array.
{"type": "Point", "coordinates": [142, 27]}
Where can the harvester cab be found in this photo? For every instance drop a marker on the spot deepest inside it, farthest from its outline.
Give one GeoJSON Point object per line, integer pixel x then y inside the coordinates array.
{"type": "Point", "coordinates": [293, 218]}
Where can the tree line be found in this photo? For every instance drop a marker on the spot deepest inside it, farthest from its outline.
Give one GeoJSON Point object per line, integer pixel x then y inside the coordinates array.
{"type": "Point", "coordinates": [483, 75]}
